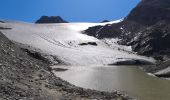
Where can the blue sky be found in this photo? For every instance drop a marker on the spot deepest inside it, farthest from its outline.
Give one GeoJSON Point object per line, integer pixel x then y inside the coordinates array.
{"type": "Point", "coordinates": [70, 10]}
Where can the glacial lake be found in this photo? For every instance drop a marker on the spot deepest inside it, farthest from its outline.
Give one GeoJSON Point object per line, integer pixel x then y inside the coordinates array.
{"type": "Point", "coordinates": [133, 81]}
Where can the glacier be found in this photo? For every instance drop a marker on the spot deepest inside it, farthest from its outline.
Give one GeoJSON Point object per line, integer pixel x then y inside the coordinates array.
{"type": "Point", "coordinates": [63, 40]}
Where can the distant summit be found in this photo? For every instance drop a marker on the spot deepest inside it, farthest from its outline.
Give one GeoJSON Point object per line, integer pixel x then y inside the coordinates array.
{"type": "Point", "coordinates": [104, 21]}
{"type": "Point", "coordinates": [51, 19]}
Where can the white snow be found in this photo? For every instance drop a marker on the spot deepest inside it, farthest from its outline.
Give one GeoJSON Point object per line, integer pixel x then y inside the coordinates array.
{"type": "Point", "coordinates": [112, 22]}
{"type": "Point", "coordinates": [62, 40]}
{"type": "Point", "coordinates": [163, 71]}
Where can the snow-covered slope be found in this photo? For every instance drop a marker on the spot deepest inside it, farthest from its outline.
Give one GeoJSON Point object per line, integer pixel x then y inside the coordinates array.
{"type": "Point", "coordinates": [66, 42]}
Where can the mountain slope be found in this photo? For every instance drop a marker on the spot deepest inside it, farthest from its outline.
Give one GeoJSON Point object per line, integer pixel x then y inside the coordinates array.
{"type": "Point", "coordinates": [149, 12]}
{"type": "Point", "coordinates": [147, 16]}
{"type": "Point", "coordinates": [146, 29]}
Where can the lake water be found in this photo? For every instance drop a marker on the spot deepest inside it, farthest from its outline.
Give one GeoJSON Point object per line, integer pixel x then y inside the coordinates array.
{"type": "Point", "coordinates": [129, 79]}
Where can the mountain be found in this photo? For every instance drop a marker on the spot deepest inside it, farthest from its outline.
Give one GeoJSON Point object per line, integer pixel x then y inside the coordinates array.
{"type": "Point", "coordinates": [51, 19]}
{"type": "Point", "coordinates": [28, 50]}
{"type": "Point", "coordinates": [149, 12]}
{"type": "Point", "coordinates": [146, 29]}
{"type": "Point", "coordinates": [153, 17]}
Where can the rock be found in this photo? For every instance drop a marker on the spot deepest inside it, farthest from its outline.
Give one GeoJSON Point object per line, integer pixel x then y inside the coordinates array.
{"type": "Point", "coordinates": [37, 55]}
{"type": "Point", "coordinates": [126, 62]}
{"type": "Point", "coordinates": [2, 21]}
{"type": "Point", "coordinates": [89, 43]}
{"type": "Point", "coordinates": [102, 32]}
{"type": "Point", "coordinates": [4, 28]}
{"type": "Point", "coordinates": [154, 39]}
{"type": "Point", "coordinates": [149, 12]}
{"type": "Point", "coordinates": [59, 69]}
{"type": "Point", "coordinates": [52, 19]}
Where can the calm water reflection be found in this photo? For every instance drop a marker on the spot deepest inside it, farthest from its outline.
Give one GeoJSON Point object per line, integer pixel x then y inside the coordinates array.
{"type": "Point", "coordinates": [124, 78]}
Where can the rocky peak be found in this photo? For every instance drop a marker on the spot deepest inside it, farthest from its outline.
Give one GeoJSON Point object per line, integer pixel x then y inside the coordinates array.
{"type": "Point", "coordinates": [154, 2]}
{"type": "Point", "coordinates": [51, 19]}
{"type": "Point", "coordinates": [149, 12]}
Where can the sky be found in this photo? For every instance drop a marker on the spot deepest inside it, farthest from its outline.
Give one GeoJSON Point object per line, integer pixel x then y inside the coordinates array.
{"type": "Point", "coordinates": [70, 10]}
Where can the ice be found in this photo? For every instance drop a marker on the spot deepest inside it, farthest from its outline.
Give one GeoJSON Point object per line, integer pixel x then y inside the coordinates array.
{"type": "Point", "coordinates": [63, 40]}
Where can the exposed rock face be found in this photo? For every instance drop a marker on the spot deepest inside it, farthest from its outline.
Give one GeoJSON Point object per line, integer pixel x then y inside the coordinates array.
{"type": "Point", "coordinates": [154, 39]}
{"type": "Point", "coordinates": [52, 19]}
{"type": "Point", "coordinates": [88, 43]}
{"type": "Point", "coordinates": [149, 12]}
{"type": "Point", "coordinates": [101, 32]}
{"type": "Point", "coordinates": [146, 28]}
{"type": "Point", "coordinates": [151, 35]}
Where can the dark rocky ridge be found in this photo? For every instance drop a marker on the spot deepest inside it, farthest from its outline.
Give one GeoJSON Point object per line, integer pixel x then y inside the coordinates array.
{"type": "Point", "coordinates": [52, 19]}
{"type": "Point", "coordinates": [150, 33]}
{"type": "Point", "coordinates": [153, 39]}
{"type": "Point", "coordinates": [23, 77]}
{"type": "Point", "coordinates": [2, 21]}
{"type": "Point", "coordinates": [101, 32]}
{"type": "Point", "coordinates": [149, 12]}
{"type": "Point", "coordinates": [144, 28]}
